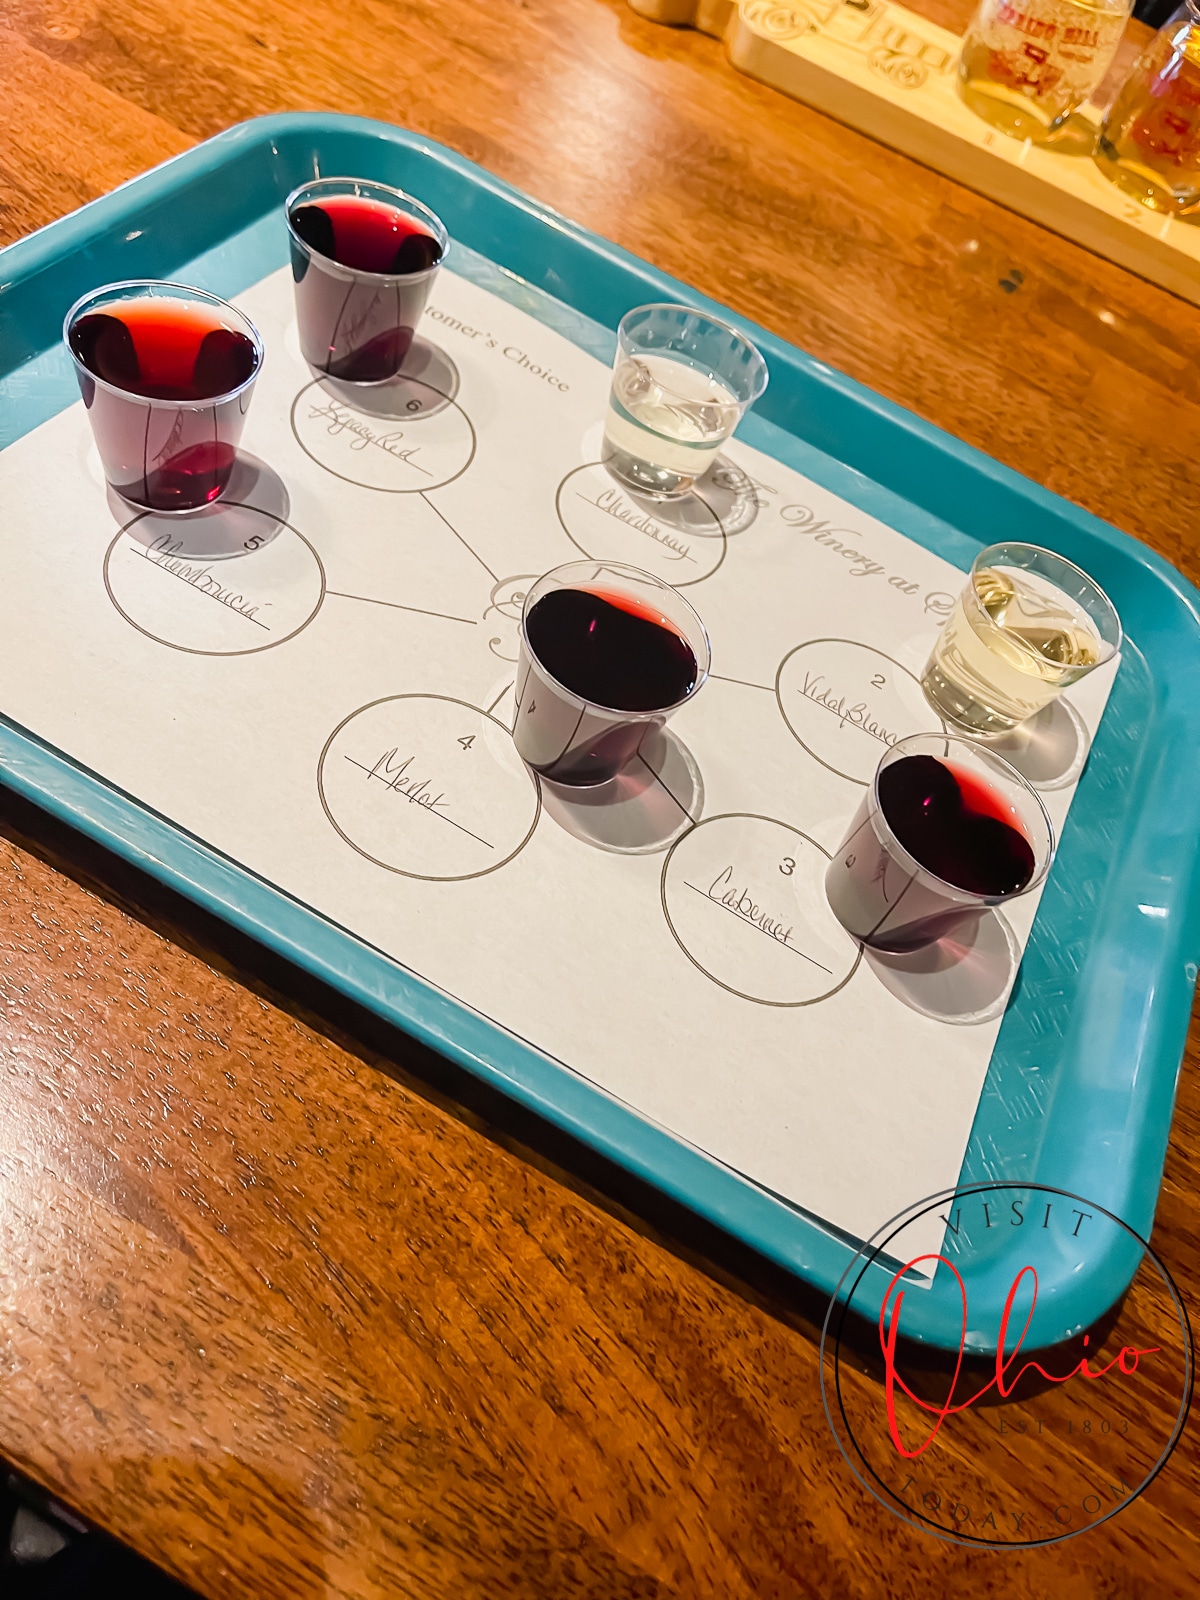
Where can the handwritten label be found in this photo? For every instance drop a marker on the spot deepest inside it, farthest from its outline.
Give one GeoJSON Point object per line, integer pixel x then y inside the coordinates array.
{"type": "Point", "coordinates": [164, 553]}
{"type": "Point", "coordinates": [856, 713]}
{"type": "Point", "coordinates": [394, 774]}
{"type": "Point", "coordinates": [685, 541]}
{"type": "Point", "coordinates": [742, 904]}
{"type": "Point", "coordinates": [614, 504]}
{"type": "Point", "coordinates": [846, 702]}
{"type": "Point", "coordinates": [362, 435]}
{"type": "Point", "coordinates": [744, 897]}
{"type": "Point", "coordinates": [236, 605]}
{"type": "Point", "coordinates": [469, 802]}
{"type": "Point", "coordinates": [431, 443]}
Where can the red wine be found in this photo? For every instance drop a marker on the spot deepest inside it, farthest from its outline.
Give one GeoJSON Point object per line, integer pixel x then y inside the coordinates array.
{"type": "Point", "coordinates": [611, 652]}
{"type": "Point", "coordinates": [164, 349]}
{"type": "Point", "coordinates": [177, 454]}
{"type": "Point", "coordinates": [955, 826]}
{"type": "Point", "coordinates": [367, 235]}
{"type": "Point", "coordinates": [361, 285]}
{"type": "Point", "coordinates": [625, 660]}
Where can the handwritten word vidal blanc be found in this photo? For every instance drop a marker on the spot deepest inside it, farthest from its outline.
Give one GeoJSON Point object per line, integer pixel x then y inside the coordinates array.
{"type": "Point", "coordinates": [510, 352]}
{"type": "Point", "coordinates": [165, 554]}
{"type": "Point", "coordinates": [342, 421]}
{"type": "Point", "coordinates": [613, 503]}
{"type": "Point", "coordinates": [856, 715]}
{"type": "Point", "coordinates": [742, 903]}
{"type": "Point", "coordinates": [803, 520]}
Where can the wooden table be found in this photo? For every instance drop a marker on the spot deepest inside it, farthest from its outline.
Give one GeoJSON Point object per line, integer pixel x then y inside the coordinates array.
{"type": "Point", "coordinates": [281, 1319]}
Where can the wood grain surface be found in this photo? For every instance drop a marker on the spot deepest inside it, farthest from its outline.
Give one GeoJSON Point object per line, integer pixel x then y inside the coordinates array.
{"type": "Point", "coordinates": [276, 1306]}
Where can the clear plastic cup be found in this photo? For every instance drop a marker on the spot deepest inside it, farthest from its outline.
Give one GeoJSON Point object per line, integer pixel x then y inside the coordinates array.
{"type": "Point", "coordinates": [354, 324]}
{"type": "Point", "coordinates": [888, 898]}
{"type": "Point", "coordinates": [1026, 625]}
{"type": "Point", "coordinates": [682, 381]}
{"type": "Point", "coordinates": [164, 451]}
{"type": "Point", "coordinates": [571, 737]}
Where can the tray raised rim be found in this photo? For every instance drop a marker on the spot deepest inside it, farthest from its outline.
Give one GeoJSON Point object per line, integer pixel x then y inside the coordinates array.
{"type": "Point", "coordinates": [771, 1226]}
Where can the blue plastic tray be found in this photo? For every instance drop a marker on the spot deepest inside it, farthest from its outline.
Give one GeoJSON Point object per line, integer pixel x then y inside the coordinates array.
{"type": "Point", "coordinates": [1081, 1085]}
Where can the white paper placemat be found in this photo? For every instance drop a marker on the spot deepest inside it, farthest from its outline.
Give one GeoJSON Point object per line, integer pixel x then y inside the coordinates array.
{"type": "Point", "coordinates": [330, 708]}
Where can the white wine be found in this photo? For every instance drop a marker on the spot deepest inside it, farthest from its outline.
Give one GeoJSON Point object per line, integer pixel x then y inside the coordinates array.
{"type": "Point", "coordinates": [1026, 65]}
{"type": "Point", "coordinates": [1012, 643]}
{"type": "Point", "coordinates": [666, 421]}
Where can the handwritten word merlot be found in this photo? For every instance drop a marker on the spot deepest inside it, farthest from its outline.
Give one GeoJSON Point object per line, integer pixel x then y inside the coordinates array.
{"type": "Point", "coordinates": [741, 901]}
{"type": "Point", "coordinates": [856, 715]}
{"type": "Point", "coordinates": [393, 773]}
{"type": "Point", "coordinates": [165, 554]}
{"type": "Point", "coordinates": [363, 435]}
{"type": "Point", "coordinates": [614, 504]}
{"type": "Point", "coordinates": [1126, 1359]}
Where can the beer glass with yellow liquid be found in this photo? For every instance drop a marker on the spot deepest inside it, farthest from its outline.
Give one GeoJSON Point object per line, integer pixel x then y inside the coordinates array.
{"type": "Point", "coordinates": [1026, 65]}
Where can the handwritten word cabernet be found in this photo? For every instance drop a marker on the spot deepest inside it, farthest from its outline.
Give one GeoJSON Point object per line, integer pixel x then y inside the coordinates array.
{"type": "Point", "coordinates": [614, 504]}
{"type": "Point", "coordinates": [165, 554]}
{"type": "Point", "coordinates": [363, 436]}
{"type": "Point", "coordinates": [1126, 1359]}
{"type": "Point", "coordinates": [745, 906]}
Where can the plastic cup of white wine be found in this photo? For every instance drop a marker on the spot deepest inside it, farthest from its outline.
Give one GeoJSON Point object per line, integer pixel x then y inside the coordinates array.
{"type": "Point", "coordinates": [682, 381]}
{"type": "Point", "coordinates": [1026, 626]}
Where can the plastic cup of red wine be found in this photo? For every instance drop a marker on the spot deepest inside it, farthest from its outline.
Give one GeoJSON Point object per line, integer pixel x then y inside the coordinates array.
{"type": "Point", "coordinates": [364, 258]}
{"type": "Point", "coordinates": [947, 830]}
{"type": "Point", "coordinates": [607, 653]}
{"type": "Point", "coordinates": [166, 373]}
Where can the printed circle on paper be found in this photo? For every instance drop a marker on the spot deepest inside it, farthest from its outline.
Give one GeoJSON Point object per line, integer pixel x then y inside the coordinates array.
{"type": "Point", "coordinates": [680, 541]}
{"type": "Point", "coordinates": [395, 455]}
{"type": "Point", "coordinates": [744, 896]}
{"type": "Point", "coordinates": [232, 606]}
{"type": "Point", "coordinates": [846, 703]}
{"type": "Point", "coordinates": [428, 787]}
{"type": "Point", "coordinates": [1006, 1364]}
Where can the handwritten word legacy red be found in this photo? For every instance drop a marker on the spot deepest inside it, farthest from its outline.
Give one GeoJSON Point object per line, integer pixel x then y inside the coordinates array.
{"type": "Point", "coordinates": [889, 1334]}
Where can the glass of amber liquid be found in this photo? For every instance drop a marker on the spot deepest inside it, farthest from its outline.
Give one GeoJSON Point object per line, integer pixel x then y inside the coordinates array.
{"type": "Point", "coordinates": [1150, 143]}
{"type": "Point", "coordinates": [1026, 65]}
{"type": "Point", "coordinates": [1027, 625]}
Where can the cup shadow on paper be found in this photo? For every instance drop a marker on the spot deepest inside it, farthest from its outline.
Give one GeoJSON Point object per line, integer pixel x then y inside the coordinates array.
{"type": "Point", "coordinates": [730, 494]}
{"type": "Point", "coordinates": [691, 515]}
{"type": "Point", "coordinates": [722, 503]}
{"type": "Point", "coordinates": [1050, 750]}
{"type": "Point", "coordinates": [643, 809]}
{"type": "Point", "coordinates": [252, 511]}
{"type": "Point", "coordinates": [963, 980]}
{"type": "Point", "coordinates": [426, 384]}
